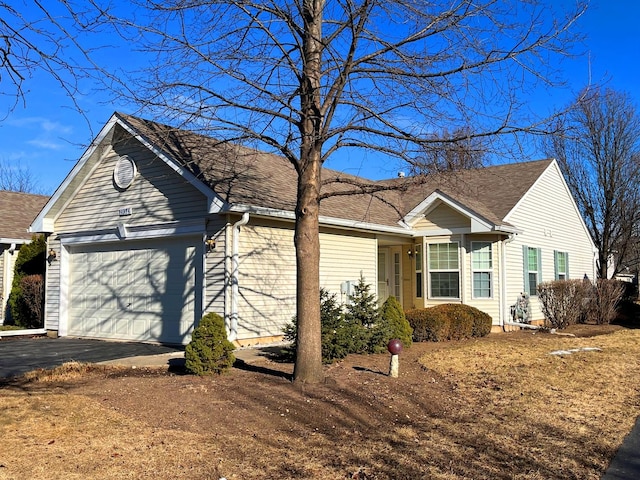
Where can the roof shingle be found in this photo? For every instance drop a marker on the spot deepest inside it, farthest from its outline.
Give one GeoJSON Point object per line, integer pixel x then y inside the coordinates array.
{"type": "Point", "coordinates": [248, 177]}
{"type": "Point", "coordinates": [17, 211]}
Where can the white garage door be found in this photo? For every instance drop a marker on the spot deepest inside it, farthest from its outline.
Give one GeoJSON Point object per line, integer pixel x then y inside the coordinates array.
{"type": "Point", "coordinates": [146, 292]}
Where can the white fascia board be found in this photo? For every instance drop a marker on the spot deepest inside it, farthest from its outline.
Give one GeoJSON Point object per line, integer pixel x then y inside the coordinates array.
{"type": "Point", "coordinates": [17, 241]}
{"type": "Point", "coordinates": [43, 223]}
{"type": "Point", "coordinates": [478, 224]}
{"type": "Point", "coordinates": [414, 215]}
{"type": "Point", "coordinates": [503, 229]}
{"type": "Point", "coordinates": [324, 221]}
{"type": "Point", "coordinates": [134, 232]}
{"type": "Point", "coordinates": [508, 229]}
{"type": "Point", "coordinates": [214, 203]}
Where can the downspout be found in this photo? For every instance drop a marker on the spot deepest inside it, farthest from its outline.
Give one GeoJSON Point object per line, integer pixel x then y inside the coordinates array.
{"type": "Point", "coordinates": [504, 314]}
{"type": "Point", "coordinates": [235, 267]}
{"type": "Point", "coordinates": [503, 279]}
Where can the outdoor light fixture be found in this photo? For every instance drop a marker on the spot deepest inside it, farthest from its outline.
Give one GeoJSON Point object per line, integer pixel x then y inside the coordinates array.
{"type": "Point", "coordinates": [211, 244]}
{"type": "Point", "coordinates": [52, 255]}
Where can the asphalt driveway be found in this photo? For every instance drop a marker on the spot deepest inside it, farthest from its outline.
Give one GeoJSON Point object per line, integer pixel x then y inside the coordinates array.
{"type": "Point", "coordinates": [21, 355]}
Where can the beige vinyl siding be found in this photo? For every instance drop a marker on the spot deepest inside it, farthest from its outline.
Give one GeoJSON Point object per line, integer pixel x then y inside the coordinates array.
{"type": "Point", "coordinates": [157, 195]}
{"type": "Point", "coordinates": [267, 273]}
{"type": "Point", "coordinates": [216, 268]}
{"type": "Point", "coordinates": [266, 281]}
{"type": "Point", "coordinates": [549, 221]}
{"type": "Point", "coordinates": [344, 257]}
{"type": "Point", "coordinates": [442, 217]}
{"type": "Point", "coordinates": [52, 293]}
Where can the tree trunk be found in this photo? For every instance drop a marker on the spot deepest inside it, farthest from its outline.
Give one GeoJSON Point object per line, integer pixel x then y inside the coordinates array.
{"type": "Point", "coordinates": [308, 367]}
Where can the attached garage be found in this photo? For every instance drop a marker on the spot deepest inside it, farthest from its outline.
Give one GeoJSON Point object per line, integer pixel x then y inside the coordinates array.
{"type": "Point", "coordinates": [144, 290]}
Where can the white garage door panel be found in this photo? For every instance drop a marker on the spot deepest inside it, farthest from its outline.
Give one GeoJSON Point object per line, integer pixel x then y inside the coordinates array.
{"type": "Point", "coordinates": [147, 292]}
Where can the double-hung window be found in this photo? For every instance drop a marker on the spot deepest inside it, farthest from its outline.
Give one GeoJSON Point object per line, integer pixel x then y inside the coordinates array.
{"type": "Point", "coordinates": [532, 259]}
{"type": "Point", "coordinates": [482, 268]}
{"type": "Point", "coordinates": [444, 270]}
{"type": "Point", "coordinates": [561, 261]}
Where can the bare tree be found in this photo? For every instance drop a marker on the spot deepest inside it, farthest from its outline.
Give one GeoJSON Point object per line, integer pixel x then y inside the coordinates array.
{"type": "Point", "coordinates": [16, 178]}
{"type": "Point", "coordinates": [451, 151]}
{"type": "Point", "coordinates": [307, 78]}
{"type": "Point", "coordinates": [597, 144]}
{"type": "Point", "coordinates": [37, 39]}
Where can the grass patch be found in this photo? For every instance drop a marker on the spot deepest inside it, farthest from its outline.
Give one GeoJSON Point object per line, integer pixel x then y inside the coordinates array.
{"type": "Point", "coordinates": [500, 407]}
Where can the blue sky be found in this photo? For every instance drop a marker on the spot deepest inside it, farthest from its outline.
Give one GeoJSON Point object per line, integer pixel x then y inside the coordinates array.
{"type": "Point", "coordinates": [47, 136]}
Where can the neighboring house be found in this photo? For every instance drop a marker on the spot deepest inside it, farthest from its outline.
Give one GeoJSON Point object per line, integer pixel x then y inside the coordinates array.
{"type": "Point", "coordinates": [17, 211]}
{"type": "Point", "coordinates": [156, 226]}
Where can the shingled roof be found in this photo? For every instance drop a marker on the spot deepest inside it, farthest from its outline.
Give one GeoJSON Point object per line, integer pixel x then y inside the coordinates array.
{"type": "Point", "coordinates": [17, 211]}
{"type": "Point", "coordinates": [246, 177]}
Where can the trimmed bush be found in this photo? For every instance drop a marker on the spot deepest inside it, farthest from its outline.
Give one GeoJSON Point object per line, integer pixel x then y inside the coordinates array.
{"type": "Point", "coordinates": [482, 323]}
{"type": "Point", "coordinates": [209, 351]}
{"type": "Point", "coordinates": [427, 327]}
{"type": "Point", "coordinates": [450, 321]}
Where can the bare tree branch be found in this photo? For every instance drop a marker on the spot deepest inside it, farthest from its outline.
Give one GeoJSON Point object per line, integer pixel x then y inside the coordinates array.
{"type": "Point", "coordinates": [597, 144]}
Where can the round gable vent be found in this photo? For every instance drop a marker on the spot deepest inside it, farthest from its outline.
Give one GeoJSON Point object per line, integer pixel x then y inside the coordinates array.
{"type": "Point", "coordinates": [125, 172]}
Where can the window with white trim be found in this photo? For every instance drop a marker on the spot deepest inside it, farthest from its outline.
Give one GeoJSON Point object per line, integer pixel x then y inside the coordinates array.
{"type": "Point", "coordinates": [532, 259]}
{"type": "Point", "coordinates": [561, 261]}
{"type": "Point", "coordinates": [482, 269]}
{"type": "Point", "coordinates": [444, 270]}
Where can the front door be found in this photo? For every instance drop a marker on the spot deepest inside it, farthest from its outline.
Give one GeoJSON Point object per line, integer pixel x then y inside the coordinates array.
{"type": "Point", "coordinates": [383, 277]}
{"type": "Point", "coordinates": [389, 273]}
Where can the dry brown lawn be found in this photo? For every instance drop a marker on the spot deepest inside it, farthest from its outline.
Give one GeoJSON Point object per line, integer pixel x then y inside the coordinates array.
{"type": "Point", "coordinates": [500, 407]}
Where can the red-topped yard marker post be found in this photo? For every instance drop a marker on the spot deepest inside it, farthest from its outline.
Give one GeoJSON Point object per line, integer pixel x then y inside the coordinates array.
{"type": "Point", "coordinates": [395, 347]}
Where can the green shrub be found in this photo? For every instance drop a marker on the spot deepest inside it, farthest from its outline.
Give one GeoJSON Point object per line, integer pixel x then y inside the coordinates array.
{"type": "Point", "coordinates": [337, 335]}
{"type": "Point", "coordinates": [482, 323]}
{"type": "Point", "coordinates": [451, 321]}
{"type": "Point", "coordinates": [357, 327]}
{"type": "Point", "coordinates": [361, 317]}
{"type": "Point", "coordinates": [395, 323]}
{"type": "Point", "coordinates": [427, 327]}
{"type": "Point", "coordinates": [30, 261]}
{"type": "Point", "coordinates": [209, 351]}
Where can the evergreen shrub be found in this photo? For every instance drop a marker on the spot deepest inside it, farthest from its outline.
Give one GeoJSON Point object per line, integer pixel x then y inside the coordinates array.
{"type": "Point", "coordinates": [337, 335]}
{"type": "Point", "coordinates": [30, 261]}
{"type": "Point", "coordinates": [357, 327]}
{"type": "Point", "coordinates": [395, 323]}
{"type": "Point", "coordinates": [362, 318]}
{"type": "Point", "coordinates": [209, 351]}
